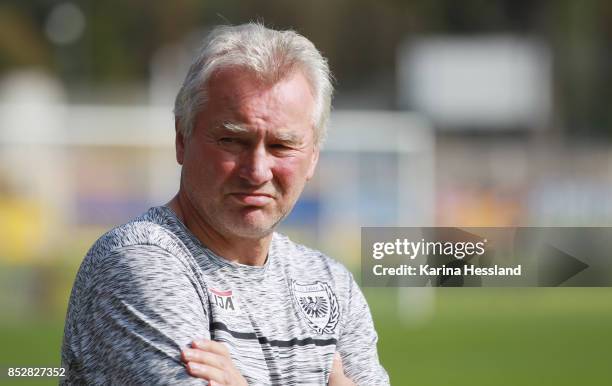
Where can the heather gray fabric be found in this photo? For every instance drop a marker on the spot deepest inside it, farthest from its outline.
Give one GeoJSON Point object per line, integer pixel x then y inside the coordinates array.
{"type": "Point", "coordinates": [146, 289]}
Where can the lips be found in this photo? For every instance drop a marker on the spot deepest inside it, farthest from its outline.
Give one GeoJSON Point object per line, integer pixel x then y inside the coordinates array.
{"type": "Point", "coordinates": [253, 199]}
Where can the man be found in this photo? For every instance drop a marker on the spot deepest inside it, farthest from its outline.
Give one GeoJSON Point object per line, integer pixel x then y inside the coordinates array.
{"type": "Point", "coordinates": [203, 289]}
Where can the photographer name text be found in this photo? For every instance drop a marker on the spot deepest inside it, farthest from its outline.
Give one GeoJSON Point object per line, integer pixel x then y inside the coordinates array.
{"type": "Point", "coordinates": [429, 270]}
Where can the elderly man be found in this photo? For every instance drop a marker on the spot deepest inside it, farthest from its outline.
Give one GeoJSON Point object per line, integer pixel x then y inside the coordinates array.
{"type": "Point", "coordinates": [203, 289]}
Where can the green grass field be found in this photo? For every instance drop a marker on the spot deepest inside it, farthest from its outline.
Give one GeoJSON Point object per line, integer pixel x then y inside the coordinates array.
{"type": "Point", "coordinates": [475, 336]}
{"type": "Point", "coordinates": [488, 336]}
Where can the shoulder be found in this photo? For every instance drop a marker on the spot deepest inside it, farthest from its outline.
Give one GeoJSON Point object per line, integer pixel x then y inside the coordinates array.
{"type": "Point", "coordinates": [143, 247]}
{"type": "Point", "coordinates": [137, 262]}
{"type": "Point", "coordinates": [139, 232]}
{"type": "Point", "coordinates": [148, 232]}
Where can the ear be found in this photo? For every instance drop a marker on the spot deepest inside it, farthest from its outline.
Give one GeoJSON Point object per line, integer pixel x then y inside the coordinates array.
{"type": "Point", "coordinates": [179, 144]}
{"type": "Point", "coordinates": [313, 163]}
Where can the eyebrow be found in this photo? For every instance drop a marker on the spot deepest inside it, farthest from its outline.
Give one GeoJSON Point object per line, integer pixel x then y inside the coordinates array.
{"type": "Point", "coordinates": [233, 128]}
{"type": "Point", "coordinates": [283, 136]}
{"type": "Point", "coordinates": [288, 137]}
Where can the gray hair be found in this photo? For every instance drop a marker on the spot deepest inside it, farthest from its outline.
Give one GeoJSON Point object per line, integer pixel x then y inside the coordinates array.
{"type": "Point", "coordinates": [269, 54]}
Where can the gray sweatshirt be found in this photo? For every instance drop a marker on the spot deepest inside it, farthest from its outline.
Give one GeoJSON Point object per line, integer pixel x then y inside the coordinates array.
{"type": "Point", "coordinates": [148, 288]}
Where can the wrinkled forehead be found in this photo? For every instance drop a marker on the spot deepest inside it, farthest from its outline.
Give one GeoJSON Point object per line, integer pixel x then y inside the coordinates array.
{"type": "Point", "coordinates": [242, 80]}
{"type": "Point", "coordinates": [241, 96]}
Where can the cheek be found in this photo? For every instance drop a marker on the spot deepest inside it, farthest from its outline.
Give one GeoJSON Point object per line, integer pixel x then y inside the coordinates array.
{"type": "Point", "coordinates": [225, 169]}
{"type": "Point", "coordinates": [218, 170]}
{"type": "Point", "coordinates": [209, 168]}
{"type": "Point", "coordinates": [291, 173]}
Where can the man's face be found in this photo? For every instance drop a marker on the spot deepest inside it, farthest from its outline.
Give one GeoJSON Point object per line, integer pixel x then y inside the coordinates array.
{"type": "Point", "coordinates": [250, 153]}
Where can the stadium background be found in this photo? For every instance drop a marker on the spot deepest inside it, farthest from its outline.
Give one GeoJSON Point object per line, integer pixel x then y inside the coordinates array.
{"type": "Point", "coordinates": [515, 132]}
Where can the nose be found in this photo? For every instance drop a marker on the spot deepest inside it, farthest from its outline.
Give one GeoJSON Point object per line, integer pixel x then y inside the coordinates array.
{"type": "Point", "coordinates": [256, 166]}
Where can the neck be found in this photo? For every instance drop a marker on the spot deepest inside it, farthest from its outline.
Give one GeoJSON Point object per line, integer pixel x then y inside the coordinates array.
{"type": "Point", "coordinates": [232, 248]}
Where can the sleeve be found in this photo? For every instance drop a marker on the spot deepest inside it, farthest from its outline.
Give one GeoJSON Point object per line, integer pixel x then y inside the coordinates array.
{"type": "Point", "coordinates": [357, 342]}
{"type": "Point", "coordinates": [143, 307]}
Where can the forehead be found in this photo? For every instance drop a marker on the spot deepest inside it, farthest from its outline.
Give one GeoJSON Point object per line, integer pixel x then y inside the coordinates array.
{"type": "Point", "coordinates": [236, 95]}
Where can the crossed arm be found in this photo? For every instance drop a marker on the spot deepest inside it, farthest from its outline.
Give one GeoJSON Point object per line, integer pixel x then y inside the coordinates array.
{"type": "Point", "coordinates": [210, 360]}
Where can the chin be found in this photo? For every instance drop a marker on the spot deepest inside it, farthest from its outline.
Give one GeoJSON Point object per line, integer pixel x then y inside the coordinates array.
{"type": "Point", "coordinates": [252, 226]}
{"type": "Point", "coordinates": [251, 231]}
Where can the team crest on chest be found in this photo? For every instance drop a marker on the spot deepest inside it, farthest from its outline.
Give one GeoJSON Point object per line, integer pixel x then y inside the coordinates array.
{"type": "Point", "coordinates": [317, 304]}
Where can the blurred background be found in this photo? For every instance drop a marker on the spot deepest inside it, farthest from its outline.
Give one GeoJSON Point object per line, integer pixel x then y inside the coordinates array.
{"type": "Point", "coordinates": [447, 113]}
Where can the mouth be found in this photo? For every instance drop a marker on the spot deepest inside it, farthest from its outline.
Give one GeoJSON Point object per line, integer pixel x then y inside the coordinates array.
{"type": "Point", "coordinates": [253, 198]}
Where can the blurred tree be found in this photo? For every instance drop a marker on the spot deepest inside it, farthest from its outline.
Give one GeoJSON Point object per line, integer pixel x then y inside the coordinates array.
{"type": "Point", "coordinates": [21, 41]}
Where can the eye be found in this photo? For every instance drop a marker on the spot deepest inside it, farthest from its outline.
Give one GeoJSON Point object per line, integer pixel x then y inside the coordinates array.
{"type": "Point", "coordinates": [279, 146]}
{"type": "Point", "coordinates": [230, 142]}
